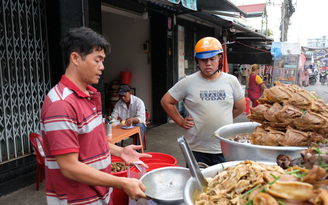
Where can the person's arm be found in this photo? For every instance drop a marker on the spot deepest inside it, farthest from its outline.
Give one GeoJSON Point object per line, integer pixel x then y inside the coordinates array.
{"type": "Point", "coordinates": [238, 107]}
{"type": "Point", "coordinates": [114, 114]}
{"type": "Point", "coordinates": [128, 154]}
{"type": "Point", "coordinates": [263, 87]}
{"type": "Point", "coordinates": [131, 120]}
{"type": "Point", "coordinates": [75, 170]}
{"type": "Point", "coordinates": [168, 103]}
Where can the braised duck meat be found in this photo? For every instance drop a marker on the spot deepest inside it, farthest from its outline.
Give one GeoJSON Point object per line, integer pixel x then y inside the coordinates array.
{"type": "Point", "coordinates": [276, 125]}
{"type": "Point", "coordinates": [322, 107]}
{"type": "Point", "coordinates": [287, 113]}
{"type": "Point", "coordinates": [310, 121]}
{"type": "Point", "coordinates": [265, 100]}
{"type": "Point", "coordinates": [290, 106]}
{"type": "Point", "coordinates": [295, 138]}
{"type": "Point", "coordinates": [310, 157]}
{"type": "Point", "coordinates": [267, 136]}
{"type": "Point", "coordinates": [277, 94]}
{"type": "Point", "coordinates": [284, 161]}
{"type": "Point", "coordinates": [270, 113]}
{"type": "Point", "coordinates": [302, 100]}
{"type": "Point", "coordinates": [257, 112]}
{"type": "Point", "coordinates": [293, 88]}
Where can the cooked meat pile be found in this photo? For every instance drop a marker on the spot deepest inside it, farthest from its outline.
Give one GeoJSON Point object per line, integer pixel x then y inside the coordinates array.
{"type": "Point", "coordinates": [309, 158]}
{"type": "Point", "coordinates": [118, 167]}
{"type": "Point", "coordinates": [259, 184]}
{"type": "Point", "coordinates": [228, 186]}
{"type": "Point", "coordinates": [290, 116]}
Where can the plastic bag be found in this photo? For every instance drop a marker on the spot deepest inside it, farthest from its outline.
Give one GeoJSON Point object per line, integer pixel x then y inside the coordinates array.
{"type": "Point", "coordinates": [276, 50]}
{"type": "Point", "coordinates": [141, 202]}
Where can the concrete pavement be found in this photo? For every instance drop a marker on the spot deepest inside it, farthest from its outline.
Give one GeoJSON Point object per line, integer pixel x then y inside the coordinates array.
{"type": "Point", "coordinates": [321, 90]}
{"type": "Point", "coordinates": [161, 139]}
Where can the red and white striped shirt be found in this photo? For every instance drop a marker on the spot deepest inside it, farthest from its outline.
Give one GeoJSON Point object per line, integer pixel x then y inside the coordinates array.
{"type": "Point", "coordinates": [71, 121]}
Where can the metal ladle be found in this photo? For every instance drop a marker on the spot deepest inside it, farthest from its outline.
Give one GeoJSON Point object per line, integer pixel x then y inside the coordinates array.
{"type": "Point", "coordinates": [192, 164]}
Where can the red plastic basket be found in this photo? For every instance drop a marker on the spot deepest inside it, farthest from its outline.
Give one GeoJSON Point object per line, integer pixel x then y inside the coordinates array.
{"type": "Point", "coordinates": [159, 158]}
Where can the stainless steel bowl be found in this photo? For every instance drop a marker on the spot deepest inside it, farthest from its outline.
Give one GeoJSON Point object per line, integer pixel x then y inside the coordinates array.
{"type": "Point", "coordinates": [165, 185]}
{"type": "Point", "coordinates": [240, 151]}
{"type": "Point", "coordinates": [211, 171]}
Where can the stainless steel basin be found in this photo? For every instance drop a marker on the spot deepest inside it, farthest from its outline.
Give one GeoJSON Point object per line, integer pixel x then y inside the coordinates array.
{"type": "Point", "coordinates": [233, 151]}
{"type": "Point", "coordinates": [166, 185]}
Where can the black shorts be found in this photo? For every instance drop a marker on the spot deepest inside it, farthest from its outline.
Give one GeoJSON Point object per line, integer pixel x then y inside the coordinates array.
{"type": "Point", "coordinates": [209, 159]}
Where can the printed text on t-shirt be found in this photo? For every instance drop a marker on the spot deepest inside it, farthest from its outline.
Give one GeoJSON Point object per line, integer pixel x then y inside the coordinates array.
{"type": "Point", "coordinates": [212, 95]}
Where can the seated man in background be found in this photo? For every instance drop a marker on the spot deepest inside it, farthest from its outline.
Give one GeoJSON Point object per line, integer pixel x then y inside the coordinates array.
{"type": "Point", "coordinates": [130, 109]}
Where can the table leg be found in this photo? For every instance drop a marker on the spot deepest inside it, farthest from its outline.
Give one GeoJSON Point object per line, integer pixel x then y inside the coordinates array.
{"type": "Point", "coordinates": [140, 140]}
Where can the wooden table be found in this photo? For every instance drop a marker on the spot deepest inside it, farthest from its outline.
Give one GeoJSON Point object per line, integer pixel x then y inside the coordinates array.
{"type": "Point", "coordinates": [118, 134]}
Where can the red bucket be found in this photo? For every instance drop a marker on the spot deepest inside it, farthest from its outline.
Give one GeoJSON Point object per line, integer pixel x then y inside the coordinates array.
{"type": "Point", "coordinates": [119, 196]}
{"type": "Point", "coordinates": [125, 77]}
{"type": "Point", "coordinates": [159, 158]}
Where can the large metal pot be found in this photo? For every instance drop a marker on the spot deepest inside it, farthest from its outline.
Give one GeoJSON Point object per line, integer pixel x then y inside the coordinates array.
{"type": "Point", "coordinates": [240, 151]}
{"type": "Point", "coordinates": [191, 185]}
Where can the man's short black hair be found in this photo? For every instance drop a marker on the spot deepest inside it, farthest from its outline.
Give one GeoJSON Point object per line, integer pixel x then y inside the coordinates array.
{"type": "Point", "coordinates": [83, 41]}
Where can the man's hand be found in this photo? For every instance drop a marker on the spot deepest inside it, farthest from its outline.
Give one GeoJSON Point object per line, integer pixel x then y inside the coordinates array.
{"type": "Point", "coordinates": [129, 121]}
{"type": "Point", "coordinates": [129, 155]}
{"type": "Point", "coordinates": [187, 122]}
{"type": "Point", "coordinates": [134, 188]}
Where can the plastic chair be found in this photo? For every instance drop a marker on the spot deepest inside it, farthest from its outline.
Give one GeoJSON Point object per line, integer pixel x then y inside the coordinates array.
{"type": "Point", "coordinates": [39, 158]}
{"type": "Point", "coordinates": [247, 106]}
{"type": "Point", "coordinates": [144, 136]}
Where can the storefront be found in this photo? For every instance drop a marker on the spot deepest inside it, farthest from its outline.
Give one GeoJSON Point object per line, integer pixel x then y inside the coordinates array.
{"type": "Point", "coordinates": [152, 39]}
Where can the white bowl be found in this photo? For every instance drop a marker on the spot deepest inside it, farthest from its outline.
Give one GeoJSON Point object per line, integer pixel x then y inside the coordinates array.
{"type": "Point", "coordinates": [115, 123]}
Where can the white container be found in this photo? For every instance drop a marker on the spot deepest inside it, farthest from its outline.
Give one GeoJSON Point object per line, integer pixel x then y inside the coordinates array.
{"type": "Point", "coordinates": [291, 48]}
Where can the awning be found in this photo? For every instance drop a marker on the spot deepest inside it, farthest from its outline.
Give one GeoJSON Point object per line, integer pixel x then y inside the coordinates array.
{"type": "Point", "coordinates": [305, 48]}
{"type": "Point", "coordinates": [229, 24]}
{"type": "Point", "coordinates": [218, 5]}
{"type": "Point", "coordinates": [212, 5]}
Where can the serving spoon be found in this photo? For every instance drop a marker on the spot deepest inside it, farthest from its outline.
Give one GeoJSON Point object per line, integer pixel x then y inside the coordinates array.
{"type": "Point", "coordinates": [201, 183]}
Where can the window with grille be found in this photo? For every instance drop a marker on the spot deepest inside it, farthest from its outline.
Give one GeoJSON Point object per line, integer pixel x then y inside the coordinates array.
{"type": "Point", "coordinates": [24, 74]}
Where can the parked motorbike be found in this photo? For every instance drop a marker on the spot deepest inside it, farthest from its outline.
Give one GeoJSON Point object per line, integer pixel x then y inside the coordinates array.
{"type": "Point", "coordinates": [313, 78]}
{"type": "Point", "coordinates": [316, 71]}
{"type": "Point", "coordinates": [322, 75]}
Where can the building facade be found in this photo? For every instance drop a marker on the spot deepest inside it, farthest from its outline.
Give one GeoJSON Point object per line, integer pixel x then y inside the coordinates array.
{"type": "Point", "coordinates": [152, 39]}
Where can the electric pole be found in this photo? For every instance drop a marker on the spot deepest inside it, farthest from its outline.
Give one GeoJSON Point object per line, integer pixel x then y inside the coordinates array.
{"type": "Point", "coordinates": [287, 10]}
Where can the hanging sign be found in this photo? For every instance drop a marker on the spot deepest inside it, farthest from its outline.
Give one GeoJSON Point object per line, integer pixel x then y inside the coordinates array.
{"type": "Point", "coordinates": [189, 4]}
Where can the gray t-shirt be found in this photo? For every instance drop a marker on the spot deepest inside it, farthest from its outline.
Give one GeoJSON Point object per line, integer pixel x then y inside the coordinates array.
{"type": "Point", "coordinates": [210, 104]}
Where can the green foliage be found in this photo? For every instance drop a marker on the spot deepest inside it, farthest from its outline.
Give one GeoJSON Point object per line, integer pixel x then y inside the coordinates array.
{"type": "Point", "coordinates": [270, 32]}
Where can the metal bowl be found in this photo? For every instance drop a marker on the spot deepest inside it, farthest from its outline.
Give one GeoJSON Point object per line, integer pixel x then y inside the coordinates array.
{"type": "Point", "coordinates": [240, 151]}
{"type": "Point", "coordinates": [166, 185]}
{"type": "Point", "coordinates": [211, 171]}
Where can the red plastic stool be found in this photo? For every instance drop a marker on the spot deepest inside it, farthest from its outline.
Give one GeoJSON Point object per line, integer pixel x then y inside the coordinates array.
{"type": "Point", "coordinates": [247, 106]}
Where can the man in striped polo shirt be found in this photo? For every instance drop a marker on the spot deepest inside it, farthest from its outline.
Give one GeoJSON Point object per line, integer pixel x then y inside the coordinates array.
{"type": "Point", "coordinates": [78, 156]}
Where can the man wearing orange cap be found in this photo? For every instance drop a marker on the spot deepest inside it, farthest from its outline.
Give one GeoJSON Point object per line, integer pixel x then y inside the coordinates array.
{"type": "Point", "coordinates": [212, 98]}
